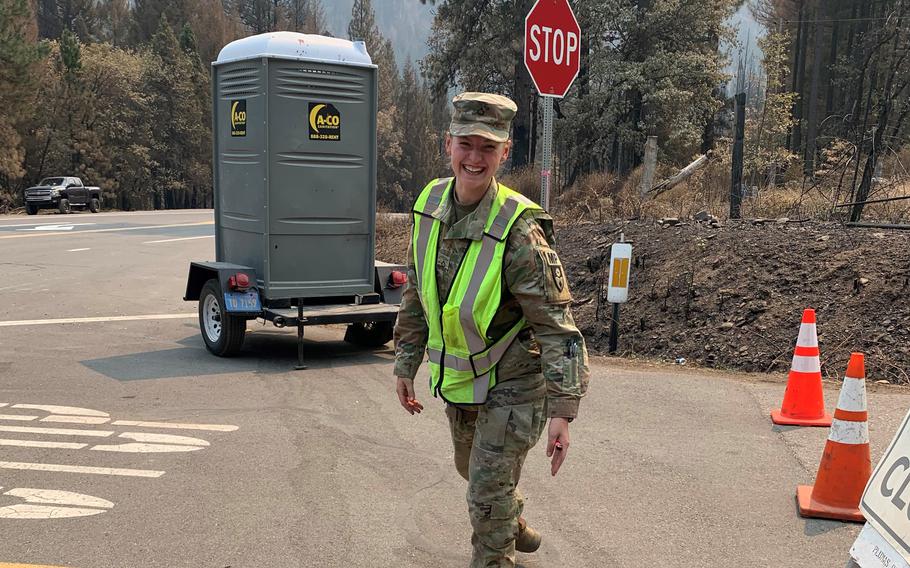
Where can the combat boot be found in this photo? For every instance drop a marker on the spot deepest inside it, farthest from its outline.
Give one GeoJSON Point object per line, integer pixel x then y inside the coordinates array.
{"type": "Point", "coordinates": [527, 539]}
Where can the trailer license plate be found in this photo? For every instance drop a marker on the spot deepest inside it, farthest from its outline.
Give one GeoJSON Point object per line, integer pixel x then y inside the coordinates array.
{"type": "Point", "coordinates": [242, 301]}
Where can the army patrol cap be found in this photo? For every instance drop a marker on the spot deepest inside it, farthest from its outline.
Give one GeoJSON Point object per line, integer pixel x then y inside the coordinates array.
{"type": "Point", "coordinates": [482, 114]}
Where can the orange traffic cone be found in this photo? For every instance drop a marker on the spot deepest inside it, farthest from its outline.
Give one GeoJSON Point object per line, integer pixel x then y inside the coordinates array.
{"type": "Point", "coordinates": [846, 466]}
{"type": "Point", "coordinates": [804, 400]}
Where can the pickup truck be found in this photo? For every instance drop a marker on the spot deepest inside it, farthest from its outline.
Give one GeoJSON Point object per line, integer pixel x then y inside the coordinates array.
{"type": "Point", "coordinates": [62, 193]}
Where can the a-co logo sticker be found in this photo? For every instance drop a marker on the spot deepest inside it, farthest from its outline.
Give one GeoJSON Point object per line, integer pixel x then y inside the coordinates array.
{"type": "Point", "coordinates": [325, 122]}
{"type": "Point", "coordinates": [238, 118]}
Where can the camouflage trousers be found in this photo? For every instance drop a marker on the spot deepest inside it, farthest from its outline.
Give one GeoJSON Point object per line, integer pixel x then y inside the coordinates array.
{"type": "Point", "coordinates": [490, 448]}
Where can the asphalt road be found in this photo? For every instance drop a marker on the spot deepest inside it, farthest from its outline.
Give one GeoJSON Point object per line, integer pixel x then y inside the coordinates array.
{"type": "Point", "coordinates": [166, 456]}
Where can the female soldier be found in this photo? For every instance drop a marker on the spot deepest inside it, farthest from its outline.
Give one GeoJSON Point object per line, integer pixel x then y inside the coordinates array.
{"type": "Point", "coordinates": [488, 301]}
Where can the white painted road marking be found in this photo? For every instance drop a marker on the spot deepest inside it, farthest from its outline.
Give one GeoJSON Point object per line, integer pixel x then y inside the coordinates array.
{"type": "Point", "coordinates": [81, 469]}
{"type": "Point", "coordinates": [20, 417]}
{"type": "Point", "coordinates": [56, 431]}
{"type": "Point", "coordinates": [163, 438]}
{"type": "Point", "coordinates": [55, 227]}
{"type": "Point", "coordinates": [69, 410]}
{"type": "Point", "coordinates": [137, 448]}
{"type": "Point", "coordinates": [76, 419]}
{"type": "Point", "coordinates": [78, 250]}
{"type": "Point", "coordinates": [97, 319]}
{"type": "Point", "coordinates": [116, 229]}
{"type": "Point", "coordinates": [37, 444]}
{"type": "Point", "coordinates": [52, 504]}
{"type": "Point", "coordinates": [211, 427]}
{"type": "Point", "coordinates": [180, 239]}
{"type": "Point", "coordinates": [155, 443]}
{"type": "Point", "coordinates": [2, 404]}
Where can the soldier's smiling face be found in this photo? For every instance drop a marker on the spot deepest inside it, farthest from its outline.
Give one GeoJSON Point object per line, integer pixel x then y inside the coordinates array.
{"type": "Point", "coordinates": [475, 160]}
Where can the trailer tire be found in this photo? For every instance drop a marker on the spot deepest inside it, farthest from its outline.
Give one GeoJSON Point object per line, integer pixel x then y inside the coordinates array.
{"type": "Point", "coordinates": [222, 332]}
{"type": "Point", "coordinates": [369, 334]}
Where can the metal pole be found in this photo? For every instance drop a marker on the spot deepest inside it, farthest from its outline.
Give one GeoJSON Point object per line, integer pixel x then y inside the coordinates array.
{"type": "Point", "coordinates": [547, 158]}
{"type": "Point", "coordinates": [736, 184]}
{"type": "Point", "coordinates": [614, 329]}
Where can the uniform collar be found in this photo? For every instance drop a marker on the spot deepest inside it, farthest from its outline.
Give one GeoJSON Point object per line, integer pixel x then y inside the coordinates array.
{"type": "Point", "coordinates": [471, 226]}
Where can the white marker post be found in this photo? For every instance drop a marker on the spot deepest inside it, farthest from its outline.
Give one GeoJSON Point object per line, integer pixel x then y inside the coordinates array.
{"type": "Point", "coordinates": [618, 286]}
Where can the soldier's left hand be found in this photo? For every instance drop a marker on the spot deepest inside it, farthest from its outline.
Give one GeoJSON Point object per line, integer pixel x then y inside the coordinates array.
{"type": "Point", "coordinates": [405, 390]}
{"type": "Point", "coordinates": [557, 443]}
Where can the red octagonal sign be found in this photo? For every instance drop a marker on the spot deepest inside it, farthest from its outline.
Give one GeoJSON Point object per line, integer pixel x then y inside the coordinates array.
{"type": "Point", "coordinates": [552, 46]}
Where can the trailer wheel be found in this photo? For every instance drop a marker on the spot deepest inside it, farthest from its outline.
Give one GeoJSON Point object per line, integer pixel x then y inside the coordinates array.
{"type": "Point", "coordinates": [222, 332]}
{"type": "Point", "coordinates": [94, 205]}
{"type": "Point", "coordinates": [369, 334]}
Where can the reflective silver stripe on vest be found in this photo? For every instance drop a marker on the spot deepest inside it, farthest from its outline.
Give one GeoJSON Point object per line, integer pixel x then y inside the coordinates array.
{"type": "Point", "coordinates": [451, 361]}
{"type": "Point", "coordinates": [481, 388]}
{"type": "Point", "coordinates": [425, 226]}
{"type": "Point", "coordinates": [489, 358]}
{"type": "Point", "coordinates": [476, 342]}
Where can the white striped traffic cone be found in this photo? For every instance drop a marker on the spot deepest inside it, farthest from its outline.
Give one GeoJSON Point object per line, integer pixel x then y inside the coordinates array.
{"type": "Point", "coordinates": [804, 400]}
{"type": "Point", "coordinates": [846, 466]}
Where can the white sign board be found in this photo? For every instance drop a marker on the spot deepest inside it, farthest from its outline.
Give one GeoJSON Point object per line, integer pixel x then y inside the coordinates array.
{"type": "Point", "coordinates": [872, 551]}
{"type": "Point", "coordinates": [886, 500]}
{"type": "Point", "coordinates": [620, 264]}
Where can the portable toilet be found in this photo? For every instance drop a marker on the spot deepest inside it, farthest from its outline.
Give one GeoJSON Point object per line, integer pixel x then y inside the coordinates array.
{"type": "Point", "coordinates": [294, 128]}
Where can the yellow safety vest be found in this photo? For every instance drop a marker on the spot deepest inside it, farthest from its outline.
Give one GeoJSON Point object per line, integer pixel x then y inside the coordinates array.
{"type": "Point", "coordinates": [462, 356]}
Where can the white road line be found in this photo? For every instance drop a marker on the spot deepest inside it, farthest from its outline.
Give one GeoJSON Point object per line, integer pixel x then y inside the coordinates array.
{"type": "Point", "coordinates": [180, 239]}
{"type": "Point", "coordinates": [78, 250]}
{"type": "Point", "coordinates": [37, 444]}
{"type": "Point", "coordinates": [163, 439]}
{"type": "Point", "coordinates": [75, 419]}
{"type": "Point", "coordinates": [21, 417]}
{"type": "Point", "coordinates": [54, 497]}
{"type": "Point", "coordinates": [28, 511]}
{"type": "Point", "coordinates": [116, 229]}
{"type": "Point", "coordinates": [57, 431]}
{"type": "Point", "coordinates": [105, 319]}
{"type": "Point", "coordinates": [68, 410]}
{"type": "Point", "coordinates": [211, 427]}
{"type": "Point", "coordinates": [81, 469]}
{"type": "Point", "coordinates": [137, 448]}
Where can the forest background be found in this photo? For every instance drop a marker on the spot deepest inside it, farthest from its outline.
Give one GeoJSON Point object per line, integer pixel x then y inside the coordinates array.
{"type": "Point", "coordinates": [117, 91]}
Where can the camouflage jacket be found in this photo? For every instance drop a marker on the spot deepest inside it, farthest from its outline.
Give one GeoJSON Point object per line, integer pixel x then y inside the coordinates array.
{"type": "Point", "coordinates": [549, 358]}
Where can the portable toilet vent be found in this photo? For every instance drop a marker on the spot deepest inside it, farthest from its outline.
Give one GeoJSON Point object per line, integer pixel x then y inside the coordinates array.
{"type": "Point", "coordinates": [294, 130]}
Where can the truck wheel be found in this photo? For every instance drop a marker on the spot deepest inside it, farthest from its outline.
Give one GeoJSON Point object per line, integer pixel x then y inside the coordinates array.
{"type": "Point", "coordinates": [222, 332]}
{"type": "Point", "coordinates": [31, 209]}
{"type": "Point", "coordinates": [94, 205]}
{"type": "Point", "coordinates": [369, 334]}
{"type": "Point", "coordinates": [64, 206]}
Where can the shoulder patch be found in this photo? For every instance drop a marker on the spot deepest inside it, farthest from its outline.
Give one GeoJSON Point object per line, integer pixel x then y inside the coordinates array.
{"type": "Point", "coordinates": [557, 287]}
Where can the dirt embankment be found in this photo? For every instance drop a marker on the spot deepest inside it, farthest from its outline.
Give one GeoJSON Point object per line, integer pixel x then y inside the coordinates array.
{"type": "Point", "coordinates": [732, 296]}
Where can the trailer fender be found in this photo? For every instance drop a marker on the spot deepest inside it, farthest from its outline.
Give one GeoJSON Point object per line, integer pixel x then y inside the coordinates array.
{"type": "Point", "coordinates": [390, 286]}
{"type": "Point", "coordinates": [202, 272]}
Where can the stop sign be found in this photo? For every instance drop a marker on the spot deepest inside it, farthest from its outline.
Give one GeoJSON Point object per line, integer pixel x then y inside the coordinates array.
{"type": "Point", "coordinates": [552, 46]}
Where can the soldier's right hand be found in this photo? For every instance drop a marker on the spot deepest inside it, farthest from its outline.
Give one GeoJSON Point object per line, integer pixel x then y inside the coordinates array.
{"type": "Point", "coordinates": [405, 390]}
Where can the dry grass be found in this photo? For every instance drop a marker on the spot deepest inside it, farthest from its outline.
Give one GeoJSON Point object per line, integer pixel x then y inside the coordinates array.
{"type": "Point", "coordinates": [601, 196]}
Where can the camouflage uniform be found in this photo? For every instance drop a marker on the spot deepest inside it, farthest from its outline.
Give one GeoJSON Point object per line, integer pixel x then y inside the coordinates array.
{"type": "Point", "coordinates": [543, 374]}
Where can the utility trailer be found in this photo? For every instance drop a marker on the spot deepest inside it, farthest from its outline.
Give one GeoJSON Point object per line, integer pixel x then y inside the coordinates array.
{"type": "Point", "coordinates": [294, 132]}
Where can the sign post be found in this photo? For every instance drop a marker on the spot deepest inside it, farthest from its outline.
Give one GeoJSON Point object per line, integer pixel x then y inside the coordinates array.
{"type": "Point", "coordinates": [618, 285]}
{"type": "Point", "coordinates": [552, 55]}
